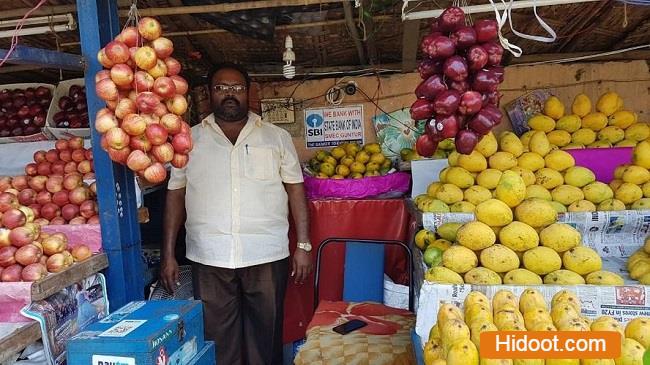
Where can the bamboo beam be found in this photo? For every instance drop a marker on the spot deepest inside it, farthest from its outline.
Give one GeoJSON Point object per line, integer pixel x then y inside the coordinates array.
{"type": "Point", "coordinates": [174, 10]}
{"type": "Point", "coordinates": [228, 7]}
{"type": "Point", "coordinates": [204, 41]}
{"type": "Point", "coordinates": [379, 18]}
{"type": "Point", "coordinates": [545, 57]}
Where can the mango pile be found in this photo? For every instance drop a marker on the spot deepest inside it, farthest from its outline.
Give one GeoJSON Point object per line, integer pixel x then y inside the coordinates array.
{"type": "Point", "coordinates": [547, 174]}
{"type": "Point", "coordinates": [607, 126]}
{"type": "Point", "coordinates": [455, 338]}
{"type": "Point", "coordinates": [531, 250]}
{"type": "Point", "coordinates": [351, 161]}
{"type": "Point", "coordinates": [638, 265]}
{"type": "Point", "coordinates": [631, 184]}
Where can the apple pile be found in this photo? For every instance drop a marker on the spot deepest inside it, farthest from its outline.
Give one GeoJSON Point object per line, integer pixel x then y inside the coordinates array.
{"type": "Point", "coordinates": [461, 72]}
{"type": "Point", "coordinates": [74, 111]}
{"type": "Point", "coordinates": [141, 125]}
{"type": "Point", "coordinates": [27, 254]}
{"type": "Point", "coordinates": [23, 112]}
{"type": "Point", "coordinates": [53, 190]}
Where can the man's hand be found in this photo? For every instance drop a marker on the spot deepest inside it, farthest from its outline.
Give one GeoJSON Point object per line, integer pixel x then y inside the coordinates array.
{"type": "Point", "coordinates": [169, 274]}
{"type": "Point", "coordinates": [302, 266]}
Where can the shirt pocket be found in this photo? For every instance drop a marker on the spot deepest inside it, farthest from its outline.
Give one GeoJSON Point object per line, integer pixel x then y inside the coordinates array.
{"type": "Point", "coordinates": [259, 163]}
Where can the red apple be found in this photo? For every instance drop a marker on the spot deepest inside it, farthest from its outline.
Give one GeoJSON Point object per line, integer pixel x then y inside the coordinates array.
{"type": "Point", "coordinates": [163, 153]}
{"type": "Point", "coordinates": [160, 110]}
{"type": "Point", "coordinates": [37, 183]}
{"type": "Point", "coordinates": [12, 273]}
{"type": "Point", "coordinates": [147, 102]}
{"type": "Point", "coordinates": [65, 155]}
{"type": "Point", "coordinates": [79, 195]}
{"type": "Point", "coordinates": [70, 167]}
{"type": "Point", "coordinates": [117, 138]}
{"type": "Point", "coordinates": [177, 104]}
{"type": "Point", "coordinates": [117, 52]}
{"type": "Point", "coordinates": [106, 121]}
{"type": "Point", "coordinates": [93, 220]}
{"type": "Point", "coordinates": [122, 75]}
{"type": "Point", "coordinates": [13, 218]}
{"type": "Point", "coordinates": [39, 156]}
{"type": "Point", "coordinates": [88, 208]}
{"type": "Point", "coordinates": [85, 167]}
{"type": "Point", "coordinates": [106, 89]}
{"type": "Point", "coordinates": [181, 84]}
{"type": "Point", "coordinates": [72, 181]}
{"type": "Point", "coordinates": [5, 182]}
{"type": "Point", "coordinates": [21, 236]}
{"type": "Point", "coordinates": [88, 153]}
{"type": "Point", "coordinates": [77, 220]}
{"type": "Point", "coordinates": [58, 168]}
{"type": "Point", "coordinates": [19, 182]}
{"type": "Point", "coordinates": [43, 197]}
{"type": "Point", "coordinates": [28, 254]}
{"type": "Point", "coordinates": [119, 156]}
{"type": "Point", "coordinates": [56, 263]}
{"type": "Point", "coordinates": [130, 36]}
{"type": "Point", "coordinates": [103, 59]}
{"type": "Point", "coordinates": [103, 74]}
{"type": "Point", "coordinates": [61, 144]}
{"type": "Point", "coordinates": [42, 222]}
{"type": "Point", "coordinates": [28, 212]}
{"type": "Point", "coordinates": [149, 28]}
{"type": "Point", "coordinates": [78, 155]}
{"type": "Point", "coordinates": [140, 143]}
{"type": "Point", "coordinates": [36, 208]}
{"type": "Point", "coordinates": [163, 47]}
{"type": "Point", "coordinates": [134, 125]}
{"type": "Point", "coordinates": [31, 169]}
{"type": "Point", "coordinates": [7, 257]}
{"type": "Point", "coordinates": [7, 201]}
{"type": "Point", "coordinates": [69, 211]}
{"type": "Point", "coordinates": [81, 252]}
{"type": "Point", "coordinates": [164, 87]}
{"type": "Point", "coordinates": [44, 168]}
{"type": "Point", "coordinates": [159, 70]}
{"type": "Point", "coordinates": [156, 134]}
{"type": "Point", "coordinates": [182, 143]}
{"type": "Point", "coordinates": [179, 161]}
{"type": "Point", "coordinates": [76, 143]}
{"type": "Point", "coordinates": [50, 211]}
{"type": "Point", "coordinates": [171, 122]}
{"type": "Point", "coordinates": [138, 161]}
{"type": "Point", "coordinates": [34, 272]}
{"type": "Point", "coordinates": [143, 81]}
{"type": "Point", "coordinates": [54, 183]}
{"type": "Point", "coordinates": [155, 173]}
{"type": "Point", "coordinates": [12, 191]}
{"type": "Point", "coordinates": [27, 197]}
{"type": "Point", "coordinates": [57, 221]}
{"type": "Point", "coordinates": [173, 66]}
{"type": "Point", "coordinates": [145, 58]}
{"type": "Point", "coordinates": [60, 198]}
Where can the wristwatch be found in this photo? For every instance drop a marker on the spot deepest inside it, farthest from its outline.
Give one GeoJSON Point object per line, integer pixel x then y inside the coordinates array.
{"type": "Point", "coordinates": [306, 246]}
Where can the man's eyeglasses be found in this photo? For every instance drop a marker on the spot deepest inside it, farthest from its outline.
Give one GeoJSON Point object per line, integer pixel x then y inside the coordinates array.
{"type": "Point", "coordinates": [224, 89]}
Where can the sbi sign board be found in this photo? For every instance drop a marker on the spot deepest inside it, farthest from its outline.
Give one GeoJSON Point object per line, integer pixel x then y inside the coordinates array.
{"type": "Point", "coordinates": [328, 127]}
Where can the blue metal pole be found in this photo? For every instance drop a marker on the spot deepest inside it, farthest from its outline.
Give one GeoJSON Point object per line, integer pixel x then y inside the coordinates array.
{"type": "Point", "coordinates": [98, 24]}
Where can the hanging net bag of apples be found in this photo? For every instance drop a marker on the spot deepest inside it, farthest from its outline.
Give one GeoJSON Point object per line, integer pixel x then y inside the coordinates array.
{"type": "Point", "coordinates": [142, 124]}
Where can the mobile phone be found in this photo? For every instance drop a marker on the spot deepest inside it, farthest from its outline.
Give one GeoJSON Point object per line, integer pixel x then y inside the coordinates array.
{"type": "Point", "coordinates": [349, 326]}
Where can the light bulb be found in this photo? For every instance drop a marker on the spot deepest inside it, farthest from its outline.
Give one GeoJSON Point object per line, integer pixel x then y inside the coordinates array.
{"type": "Point", "coordinates": [289, 71]}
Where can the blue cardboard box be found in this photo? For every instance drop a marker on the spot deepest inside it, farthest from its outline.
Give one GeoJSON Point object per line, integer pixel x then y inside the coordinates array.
{"type": "Point", "coordinates": [158, 332]}
{"type": "Point", "coordinates": [205, 357]}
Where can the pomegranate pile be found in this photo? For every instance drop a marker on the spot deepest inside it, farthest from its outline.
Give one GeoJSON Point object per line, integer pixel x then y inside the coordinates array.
{"type": "Point", "coordinates": [458, 97]}
{"type": "Point", "coordinates": [142, 125]}
{"type": "Point", "coordinates": [23, 111]}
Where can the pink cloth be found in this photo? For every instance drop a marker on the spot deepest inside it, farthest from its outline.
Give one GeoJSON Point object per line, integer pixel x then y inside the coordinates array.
{"type": "Point", "coordinates": [368, 187]}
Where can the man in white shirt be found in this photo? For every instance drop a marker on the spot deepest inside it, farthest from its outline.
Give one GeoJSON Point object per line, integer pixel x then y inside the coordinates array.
{"type": "Point", "coordinates": [235, 193]}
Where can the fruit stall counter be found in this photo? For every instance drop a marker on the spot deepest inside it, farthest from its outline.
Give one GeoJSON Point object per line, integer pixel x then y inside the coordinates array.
{"type": "Point", "coordinates": [362, 219]}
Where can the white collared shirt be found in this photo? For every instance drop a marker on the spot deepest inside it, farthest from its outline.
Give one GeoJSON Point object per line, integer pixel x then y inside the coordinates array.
{"type": "Point", "coordinates": [236, 204]}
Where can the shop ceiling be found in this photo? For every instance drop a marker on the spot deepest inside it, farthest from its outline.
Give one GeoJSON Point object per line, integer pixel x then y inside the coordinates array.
{"type": "Point", "coordinates": [335, 35]}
